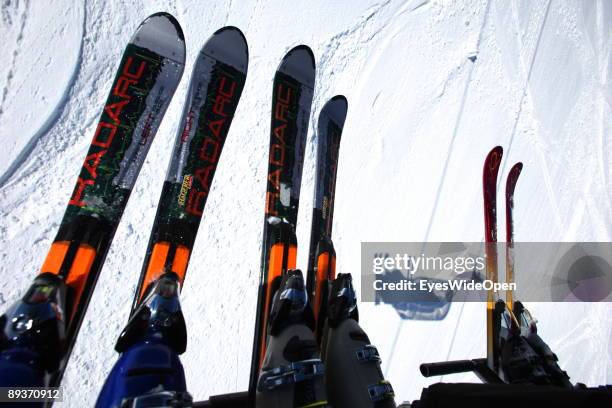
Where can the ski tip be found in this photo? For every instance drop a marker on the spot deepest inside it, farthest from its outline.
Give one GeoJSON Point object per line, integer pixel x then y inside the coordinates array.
{"type": "Point", "coordinates": [336, 109]}
{"type": "Point", "coordinates": [497, 150]}
{"type": "Point", "coordinates": [161, 33]}
{"type": "Point", "coordinates": [229, 46]}
{"type": "Point", "coordinates": [513, 176]}
{"type": "Point", "coordinates": [494, 157]}
{"type": "Point", "coordinates": [491, 165]}
{"type": "Point", "coordinates": [340, 99]}
{"type": "Point", "coordinates": [172, 20]}
{"type": "Point", "coordinates": [299, 63]}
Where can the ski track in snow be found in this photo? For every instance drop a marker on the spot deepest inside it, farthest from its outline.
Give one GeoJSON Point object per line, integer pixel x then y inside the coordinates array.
{"type": "Point", "coordinates": [524, 93]}
{"type": "Point", "coordinates": [470, 67]}
{"type": "Point", "coordinates": [604, 49]}
{"type": "Point", "coordinates": [7, 20]}
{"type": "Point", "coordinates": [385, 144]}
{"type": "Point", "coordinates": [52, 119]}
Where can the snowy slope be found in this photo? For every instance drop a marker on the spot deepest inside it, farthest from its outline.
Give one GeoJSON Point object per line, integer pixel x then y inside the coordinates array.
{"type": "Point", "coordinates": [422, 116]}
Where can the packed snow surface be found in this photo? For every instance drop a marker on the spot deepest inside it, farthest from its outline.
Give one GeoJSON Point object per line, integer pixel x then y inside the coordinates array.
{"type": "Point", "coordinates": [432, 87]}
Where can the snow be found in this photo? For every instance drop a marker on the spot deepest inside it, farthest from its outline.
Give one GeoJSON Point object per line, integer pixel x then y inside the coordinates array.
{"type": "Point", "coordinates": [431, 86]}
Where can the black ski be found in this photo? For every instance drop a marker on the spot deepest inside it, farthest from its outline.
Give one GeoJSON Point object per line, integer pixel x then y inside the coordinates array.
{"type": "Point", "coordinates": [291, 99]}
{"type": "Point", "coordinates": [52, 310]}
{"type": "Point", "coordinates": [215, 87]}
{"type": "Point", "coordinates": [322, 256]}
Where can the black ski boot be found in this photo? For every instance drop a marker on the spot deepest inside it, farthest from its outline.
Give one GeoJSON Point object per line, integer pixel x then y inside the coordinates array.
{"type": "Point", "coordinates": [291, 373]}
{"type": "Point", "coordinates": [548, 359]}
{"type": "Point", "coordinates": [33, 334]}
{"type": "Point", "coordinates": [354, 378]}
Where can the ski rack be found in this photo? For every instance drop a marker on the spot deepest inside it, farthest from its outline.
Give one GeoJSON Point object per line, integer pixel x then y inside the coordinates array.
{"type": "Point", "coordinates": [477, 366]}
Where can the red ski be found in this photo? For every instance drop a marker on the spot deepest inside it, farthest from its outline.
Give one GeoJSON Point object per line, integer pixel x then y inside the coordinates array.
{"type": "Point", "coordinates": [513, 176]}
{"type": "Point", "coordinates": [489, 189]}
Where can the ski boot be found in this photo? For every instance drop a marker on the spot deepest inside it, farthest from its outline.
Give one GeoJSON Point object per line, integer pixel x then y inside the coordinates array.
{"type": "Point", "coordinates": [354, 378]}
{"type": "Point", "coordinates": [149, 372]}
{"type": "Point", "coordinates": [524, 357]}
{"type": "Point", "coordinates": [33, 334]}
{"type": "Point", "coordinates": [547, 358]}
{"type": "Point", "coordinates": [518, 362]}
{"type": "Point", "coordinates": [291, 373]}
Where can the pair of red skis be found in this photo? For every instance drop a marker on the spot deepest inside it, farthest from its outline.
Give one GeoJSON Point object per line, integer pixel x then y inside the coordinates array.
{"type": "Point", "coordinates": [516, 354]}
{"type": "Point", "coordinates": [489, 189]}
{"type": "Point", "coordinates": [487, 368]}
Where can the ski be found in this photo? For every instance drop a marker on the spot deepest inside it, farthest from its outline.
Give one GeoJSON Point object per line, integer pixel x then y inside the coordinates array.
{"type": "Point", "coordinates": [489, 188]}
{"type": "Point", "coordinates": [149, 369]}
{"type": "Point", "coordinates": [525, 356]}
{"type": "Point", "coordinates": [216, 85]}
{"type": "Point", "coordinates": [291, 100]}
{"type": "Point", "coordinates": [39, 331]}
{"type": "Point", "coordinates": [513, 176]}
{"type": "Point", "coordinates": [321, 255]}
